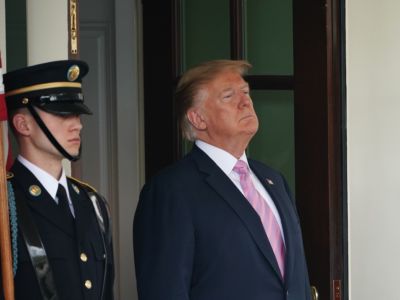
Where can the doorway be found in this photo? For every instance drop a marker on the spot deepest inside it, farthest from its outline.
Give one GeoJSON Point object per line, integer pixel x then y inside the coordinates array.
{"type": "Point", "coordinates": [297, 83]}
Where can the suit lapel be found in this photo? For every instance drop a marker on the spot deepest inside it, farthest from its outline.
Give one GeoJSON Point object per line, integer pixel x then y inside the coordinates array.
{"type": "Point", "coordinates": [227, 190]}
{"type": "Point", "coordinates": [282, 207]}
{"type": "Point", "coordinates": [40, 201]}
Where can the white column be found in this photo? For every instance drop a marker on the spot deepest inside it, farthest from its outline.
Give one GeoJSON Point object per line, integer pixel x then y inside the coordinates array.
{"type": "Point", "coordinates": [47, 30]}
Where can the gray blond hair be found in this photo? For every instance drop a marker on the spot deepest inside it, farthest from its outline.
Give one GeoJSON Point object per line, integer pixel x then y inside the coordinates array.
{"type": "Point", "coordinates": [187, 93]}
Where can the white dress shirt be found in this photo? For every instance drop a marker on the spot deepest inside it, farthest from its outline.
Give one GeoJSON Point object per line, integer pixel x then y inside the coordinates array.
{"type": "Point", "coordinates": [226, 162]}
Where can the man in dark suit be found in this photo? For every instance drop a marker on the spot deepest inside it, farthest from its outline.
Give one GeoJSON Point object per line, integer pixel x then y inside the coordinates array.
{"type": "Point", "coordinates": [216, 225]}
{"type": "Point", "coordinates": [64, 248]}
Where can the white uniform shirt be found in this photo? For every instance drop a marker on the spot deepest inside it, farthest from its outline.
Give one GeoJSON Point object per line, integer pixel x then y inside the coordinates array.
{"type": "Point", "coordinates": [48, 181]}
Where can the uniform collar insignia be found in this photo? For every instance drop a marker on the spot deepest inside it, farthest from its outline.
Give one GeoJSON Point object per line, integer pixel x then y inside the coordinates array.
{"type": "Point", "coordinates": [269, 181]}
{"type": "Point", "coordinates": [35, 190]}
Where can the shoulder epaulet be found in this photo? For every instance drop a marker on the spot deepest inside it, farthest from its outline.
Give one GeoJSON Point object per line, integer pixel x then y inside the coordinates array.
{"type": "Point", "coordinates": [10, 175]}
{"type": "Point", "coordinates": [84, 184]}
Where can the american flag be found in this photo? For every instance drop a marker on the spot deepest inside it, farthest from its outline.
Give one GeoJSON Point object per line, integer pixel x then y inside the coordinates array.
{"type": "Point", "coordinates": [3, 118]}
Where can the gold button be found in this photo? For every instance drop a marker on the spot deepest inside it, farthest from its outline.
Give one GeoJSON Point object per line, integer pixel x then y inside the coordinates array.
{"type": "Point", "coordinates": [88, 284]}
{"type": "Point", "coordinates": [83, 257]}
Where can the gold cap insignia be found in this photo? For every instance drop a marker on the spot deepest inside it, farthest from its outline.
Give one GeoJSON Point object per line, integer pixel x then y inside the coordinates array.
{"type": "Point", "coordinates": [270, 182]}
{"type": "Point", "coordinates": [35, 190]}
{"type": "Point", "coordinates": [75, 188]}
{"type": "Point", "coordinates": [73, 73]}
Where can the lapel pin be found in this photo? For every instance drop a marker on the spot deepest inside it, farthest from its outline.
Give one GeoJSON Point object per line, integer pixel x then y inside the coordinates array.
{"type": "Point", "coordinates": [75, 188]}
{"type": "Point", "coordinates": [35, 190]}
{"type": "Point", "coordinates": [270, 182]}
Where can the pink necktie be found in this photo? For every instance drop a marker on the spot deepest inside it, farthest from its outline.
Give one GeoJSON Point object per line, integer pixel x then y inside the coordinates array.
{"type": "Point", "coordinates": [267, 217]}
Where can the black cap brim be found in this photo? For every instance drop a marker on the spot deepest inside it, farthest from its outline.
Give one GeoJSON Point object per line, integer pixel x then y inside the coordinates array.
{"type": "Point", "coordinates": [65, 108]}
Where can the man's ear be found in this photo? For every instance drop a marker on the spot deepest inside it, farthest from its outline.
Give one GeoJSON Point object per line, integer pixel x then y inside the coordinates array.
{"type": "Point", "coordinates": [21, 124]}
{"type": "Point", "coordinates": [196, 119]}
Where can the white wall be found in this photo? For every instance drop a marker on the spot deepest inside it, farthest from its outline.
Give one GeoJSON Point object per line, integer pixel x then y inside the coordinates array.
{"type": "Point", "coordinates": [373, 138]}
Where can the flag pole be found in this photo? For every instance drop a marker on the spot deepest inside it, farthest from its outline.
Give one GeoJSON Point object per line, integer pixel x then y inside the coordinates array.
{"type": "Point", "coordinates": [5, 239]}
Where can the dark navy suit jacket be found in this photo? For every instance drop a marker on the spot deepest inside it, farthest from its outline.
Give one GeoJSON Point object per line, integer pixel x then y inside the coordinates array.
{"type": "Point", "coordinates": [196, 237]}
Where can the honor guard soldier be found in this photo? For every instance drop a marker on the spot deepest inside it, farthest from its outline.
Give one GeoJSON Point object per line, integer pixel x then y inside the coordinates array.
{"type": "Point", "coordinates": [63, 248]}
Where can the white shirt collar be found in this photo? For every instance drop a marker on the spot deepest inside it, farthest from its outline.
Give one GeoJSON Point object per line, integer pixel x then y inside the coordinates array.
{"type": "Point", "coordinates": [222, 158]}
{"type": "Point", "coordinates": [46, 180]}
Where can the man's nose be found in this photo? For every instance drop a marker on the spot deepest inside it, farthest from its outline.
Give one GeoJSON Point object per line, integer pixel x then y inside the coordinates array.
{"type": "Point", "coordinates": [245, 99]}
{"type": "Point", "coordinates": [77, 124]}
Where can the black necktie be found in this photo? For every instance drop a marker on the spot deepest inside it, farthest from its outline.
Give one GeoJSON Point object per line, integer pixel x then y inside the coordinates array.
{"type": "Point", "coordinates": [63, 203]}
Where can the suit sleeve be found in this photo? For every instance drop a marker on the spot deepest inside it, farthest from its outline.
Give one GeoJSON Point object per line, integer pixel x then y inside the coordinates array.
{"type": "Point", "coordinates": [163, 240]}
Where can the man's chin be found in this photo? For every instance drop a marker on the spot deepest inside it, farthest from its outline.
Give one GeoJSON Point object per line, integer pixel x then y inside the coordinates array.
{"type": "Point", "coordinates": [252, 128]}
{"type": "Point", "coordinates": [73, 152]}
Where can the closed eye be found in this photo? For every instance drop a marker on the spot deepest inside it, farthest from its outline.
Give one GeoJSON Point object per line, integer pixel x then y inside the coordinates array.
{"type": "Point", "coordinates": [227, 96]}
{"type": "Point", "coordinates": [246, 91]}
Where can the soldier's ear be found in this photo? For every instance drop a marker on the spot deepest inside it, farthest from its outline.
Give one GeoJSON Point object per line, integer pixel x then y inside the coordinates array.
{"type": "Point", "coordinates": [21, 123]}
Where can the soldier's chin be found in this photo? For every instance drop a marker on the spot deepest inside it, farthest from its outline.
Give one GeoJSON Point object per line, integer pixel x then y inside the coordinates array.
{"type": "Point", "coordinates": [74, 152]}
